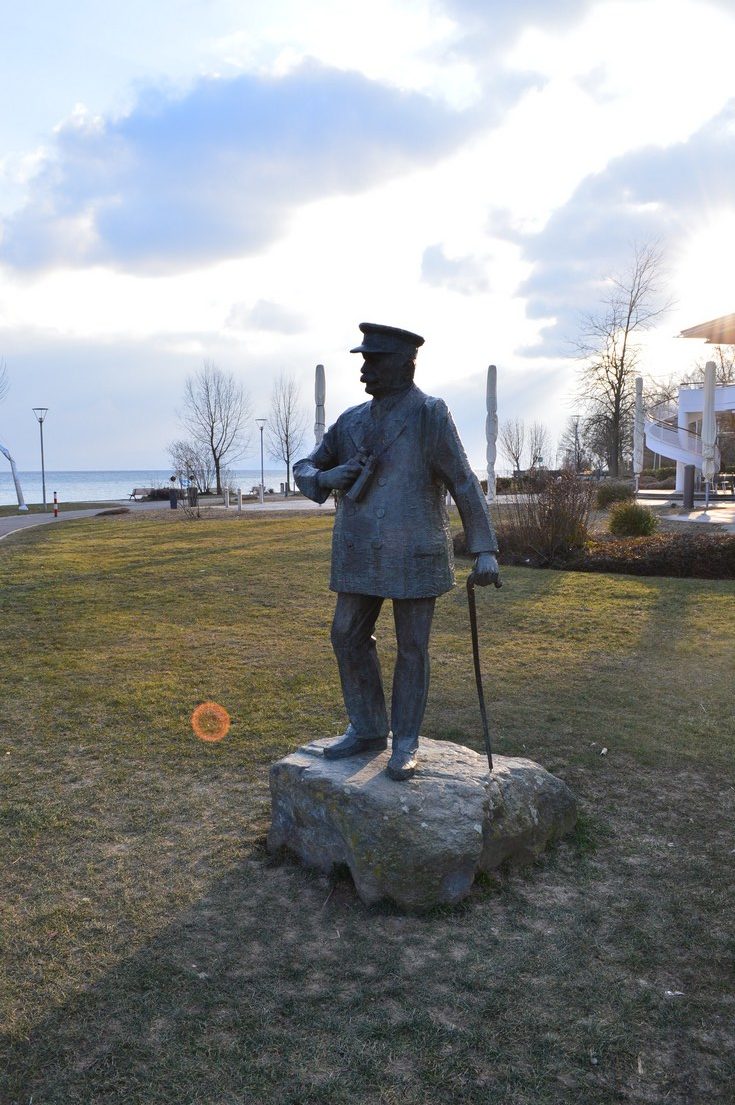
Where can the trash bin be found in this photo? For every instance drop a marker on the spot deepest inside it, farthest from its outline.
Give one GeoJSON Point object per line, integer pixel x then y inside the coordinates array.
{"type": "Point", "coordinates": [173, 498]}
{"type": "Point", "coordinates": [191, 494]}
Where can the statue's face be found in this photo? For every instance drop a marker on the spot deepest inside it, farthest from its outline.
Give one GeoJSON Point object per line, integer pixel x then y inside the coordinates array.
{"type": "Point", "coordinates": [383, 372]}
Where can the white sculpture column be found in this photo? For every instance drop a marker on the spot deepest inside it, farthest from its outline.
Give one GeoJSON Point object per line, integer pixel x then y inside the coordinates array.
{"type": "Point", "coordinates": [709, 430]}
{"type": "Point", "coordinates": [320, 394]}
{"type": "Point", "coordinates": [638, 432]}
{"type": "Point", "coordinates": [18, 490]}
{"type": "Point", "coordinates": [491, 429]}
{"type": "Point", "coordinates": [682, 423]}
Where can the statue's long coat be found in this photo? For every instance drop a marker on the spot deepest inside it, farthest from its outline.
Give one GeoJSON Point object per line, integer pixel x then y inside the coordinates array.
{"type": "Point", "coordinates": [396, 541]}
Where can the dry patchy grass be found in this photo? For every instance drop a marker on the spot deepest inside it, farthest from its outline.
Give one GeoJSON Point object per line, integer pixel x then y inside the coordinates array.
{"type": "Point", "coordinates": [154, 954]}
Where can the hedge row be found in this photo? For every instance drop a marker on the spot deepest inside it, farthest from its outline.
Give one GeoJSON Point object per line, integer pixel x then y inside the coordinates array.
{"type": "Point", "coordinates": [683, 555]}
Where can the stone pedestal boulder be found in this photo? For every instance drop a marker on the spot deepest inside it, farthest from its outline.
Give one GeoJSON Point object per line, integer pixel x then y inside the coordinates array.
{"type": "Point", "coordinates": [421, 842]}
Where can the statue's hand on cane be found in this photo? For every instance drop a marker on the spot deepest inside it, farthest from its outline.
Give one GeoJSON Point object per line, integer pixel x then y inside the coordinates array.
{"type": "Point", "coordinates": [486, 570]}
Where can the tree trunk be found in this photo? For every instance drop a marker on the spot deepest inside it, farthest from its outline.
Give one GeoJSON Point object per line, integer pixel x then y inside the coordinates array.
{"type": "Point", "coordinates": [614, 464]}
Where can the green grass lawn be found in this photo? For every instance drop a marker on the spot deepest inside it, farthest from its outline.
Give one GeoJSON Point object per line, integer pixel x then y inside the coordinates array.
{"type": "Point", "coordinates": [153, 953]}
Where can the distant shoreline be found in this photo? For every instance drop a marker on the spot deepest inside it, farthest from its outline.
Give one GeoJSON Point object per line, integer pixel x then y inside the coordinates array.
{"type": "Point", "coordinates": [110, 485]}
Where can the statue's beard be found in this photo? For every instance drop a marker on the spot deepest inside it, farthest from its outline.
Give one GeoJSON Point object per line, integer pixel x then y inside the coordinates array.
{"type": "Point", "coordinates": [378, 387]}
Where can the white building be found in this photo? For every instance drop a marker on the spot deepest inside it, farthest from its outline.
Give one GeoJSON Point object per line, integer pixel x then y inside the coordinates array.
{"type": "Point", "coordinates": [680, 439]}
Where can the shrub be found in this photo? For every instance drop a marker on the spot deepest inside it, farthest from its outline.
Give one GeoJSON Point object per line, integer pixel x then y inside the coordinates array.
{"type": "Point", "coordinates": [648, 483]}
{"type": "Point", "coordinates": [682, 555]}
{"type": "Point", "coordinates": [502, 485]}
{"type": "Point", "coordinates": [163, 493]}
{"type": "Point", "coordinates": [629, 519]}
{"type": "Point", "coordinates": [661, 473]}
{"type": "Point", "coordinates": [613, 491]}
{"type": "Point", "coordinates": [543, 525]}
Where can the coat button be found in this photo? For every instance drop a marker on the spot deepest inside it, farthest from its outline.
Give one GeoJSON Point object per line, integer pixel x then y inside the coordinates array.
{"type": "Point", "coordinates": [382, 481]}
{"type": "Point", "coordinates": [377, 544]}
{"type": "Point", "coordinates": [380, 513]}
{"type": "Point", "coordinates": [350, 544]}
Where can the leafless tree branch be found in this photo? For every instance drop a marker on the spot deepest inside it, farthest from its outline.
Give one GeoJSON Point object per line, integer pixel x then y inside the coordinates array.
{"type": "Point", "coordinates": [572, 451]}
{"type": "Point", "coordinates": [287, 423]}
{"type": "Point", "coordinates": [633, 303]}
{"type": "Point", "coordinates": [216, 414]}
{"type": "Point", "coordinates": [194, 462]}
{"type": "Point", "coordinates": [538, 444]}
{"type": "Point", "coordinates": [512, 439]}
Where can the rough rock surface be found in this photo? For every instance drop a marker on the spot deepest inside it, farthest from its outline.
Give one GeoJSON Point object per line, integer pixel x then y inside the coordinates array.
{"type": "Point", "coordinates": [420, 842]}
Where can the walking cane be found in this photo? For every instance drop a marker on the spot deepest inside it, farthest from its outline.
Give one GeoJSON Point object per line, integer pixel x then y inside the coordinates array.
{"type": "Point", "coordinates": [476, 657]}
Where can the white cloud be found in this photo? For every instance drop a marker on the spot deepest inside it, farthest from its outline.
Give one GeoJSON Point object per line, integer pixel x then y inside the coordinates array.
{"type": "Point", "coordinates": [406, 45]}
{"type": "Point", "coordinates": [653, 193]}
{"type": "Point", "coordinates": [465, 168]}
{"type": "Point", "coordinates": [466, 275]}
{"type": "Point", "coordinates": [216, 172]}
{"type": "Point", "coordinates": [265, 315]}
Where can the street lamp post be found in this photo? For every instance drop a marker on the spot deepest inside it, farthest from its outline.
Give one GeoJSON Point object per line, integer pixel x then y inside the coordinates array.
{"type": "Point", "coordinates": [261, 422]}
{"type": "Point", "coordinates": [40, 413]}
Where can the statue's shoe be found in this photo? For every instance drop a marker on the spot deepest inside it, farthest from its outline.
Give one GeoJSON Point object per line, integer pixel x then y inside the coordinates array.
{"type": "Point", "coordinates": [402, 764]}
{"type": "Point", "coordinates": [352, 744]}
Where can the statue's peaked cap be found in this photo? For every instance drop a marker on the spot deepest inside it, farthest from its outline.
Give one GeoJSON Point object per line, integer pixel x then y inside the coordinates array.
{"type": "Point", "coordinates": [386, 339]}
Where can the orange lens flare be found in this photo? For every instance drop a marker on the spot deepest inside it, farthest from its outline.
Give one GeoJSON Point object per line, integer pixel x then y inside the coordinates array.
{"type": "Point", "coordinates": [210, 721]}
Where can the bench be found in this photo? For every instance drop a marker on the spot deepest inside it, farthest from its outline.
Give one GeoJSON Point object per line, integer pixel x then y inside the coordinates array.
{"type": "Point", "coordinates": [139, 493]}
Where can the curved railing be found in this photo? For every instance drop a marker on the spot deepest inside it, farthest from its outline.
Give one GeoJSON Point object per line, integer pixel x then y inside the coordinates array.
{"type": "Point", "coordinates": [676, 437]}
{"type": "Point", "coordinates": [676, 443]}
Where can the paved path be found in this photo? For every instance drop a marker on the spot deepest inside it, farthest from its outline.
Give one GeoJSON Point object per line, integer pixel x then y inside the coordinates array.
{"type": "Point", "coordinates": [720, 517]}
{"type": "Point", "coordinates": [14, 522]}
{"type": "Point", "coordinates": [270, 505]}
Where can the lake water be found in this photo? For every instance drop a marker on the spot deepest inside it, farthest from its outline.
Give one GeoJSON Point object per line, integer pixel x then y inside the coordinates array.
{"type": "Point", "coordinates": [79, 487]}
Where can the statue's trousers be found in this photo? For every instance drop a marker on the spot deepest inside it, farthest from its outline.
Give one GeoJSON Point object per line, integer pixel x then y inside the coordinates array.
{"type": "Point", "coordinates": [359, 668]}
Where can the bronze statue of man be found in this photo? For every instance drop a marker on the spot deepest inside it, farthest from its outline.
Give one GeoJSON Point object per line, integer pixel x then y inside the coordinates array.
{"type": "Point", "coordinates": [391, 460]}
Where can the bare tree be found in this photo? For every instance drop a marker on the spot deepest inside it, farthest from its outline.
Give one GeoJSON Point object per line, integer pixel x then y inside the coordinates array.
{"type": "Point", "coordinates": [661, 397]}
{"type": "Point", "coordinates": [512, 439]}
{"type": "Point", "coordinates": [194, 462]}
{"type": "Point", "coordinates": [608, 344]}
{"type": "Point", "coordinates": [572, 450]}
{"type": "Point", "coordinates": [4, 382]}
{"type": "Point", "coordinates": [216, 413]}
{"type": "Point", "coordinates": [596, 441]}
{"type": "Point", "coordinates": [724, 358]}
{"type": "Point", "coordinates": [538, 444]}
{"type": "Point", "coordinates": [286, 425]}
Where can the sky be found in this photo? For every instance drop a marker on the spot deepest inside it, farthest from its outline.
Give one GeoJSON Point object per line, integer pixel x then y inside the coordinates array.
{"type": "Point", "coordinates": [244, 181]}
